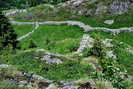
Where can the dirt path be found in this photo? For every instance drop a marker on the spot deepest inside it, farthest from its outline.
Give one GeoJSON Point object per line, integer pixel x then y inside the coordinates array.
{"type": "Point", "coordinates": [85, 27]}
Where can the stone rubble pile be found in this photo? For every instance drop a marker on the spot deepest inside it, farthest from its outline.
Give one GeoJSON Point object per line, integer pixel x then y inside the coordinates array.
{"type": "Point", "coordinates": [87, 42]}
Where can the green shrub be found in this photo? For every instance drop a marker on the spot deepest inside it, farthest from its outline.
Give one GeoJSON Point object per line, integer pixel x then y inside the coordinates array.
{"type": "Point", "coordinates": [32, 44]}
{"type": "Point", "coordinates": [8, 37]}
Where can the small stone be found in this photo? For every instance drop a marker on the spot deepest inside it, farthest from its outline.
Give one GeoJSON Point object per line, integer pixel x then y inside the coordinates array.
{"type": "Point", "coordinates": [4, 66]}
{"type": "Point", "coordinates": [109, 22]}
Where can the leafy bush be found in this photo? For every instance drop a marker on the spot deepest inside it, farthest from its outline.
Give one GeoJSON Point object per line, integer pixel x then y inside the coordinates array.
{"type": "Point", "coordinates": [8, 37]}
{"type": "Point", "coordinates": [32, 44]}
{"type": "Point", "coordinates": [98, 50]}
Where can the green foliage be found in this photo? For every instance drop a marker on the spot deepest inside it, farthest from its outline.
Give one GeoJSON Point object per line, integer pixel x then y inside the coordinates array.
{"type": "Point", "coordinates": [32, 44]}
{"type": "Point", "coordinates": [9, 4]}
{"type": "Point", "coordinates": [97, 49]}
{"type": "Point", "coordinates": [22, 29]}
{"type": "Point", "coordinates": [87, 52]}
{"type": "Point", "coordinates": [69, 70]}
{"type": "Point", "coordinates": [55, 1]}
{"type": "Point", "coordinates": [64, 42]}
{"type": "Point", "coordinates": [113, 73]}
{"type": "Point", "coordinates": [8, 37]}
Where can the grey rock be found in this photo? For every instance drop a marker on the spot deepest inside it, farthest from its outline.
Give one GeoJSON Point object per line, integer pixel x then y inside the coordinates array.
{"type": "Point", "coordinates": [109, 22]}
{"type": "Point", "coordinates": [119, 7]}
{"type": "Point", "coordinates": [4, 66]}
{"type": "Point", "coordinates": [86, 42]}
{"type": "Point", "coordinates": [50, 59]}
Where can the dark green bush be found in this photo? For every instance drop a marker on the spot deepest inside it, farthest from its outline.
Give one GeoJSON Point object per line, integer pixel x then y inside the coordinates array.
{"type": "Point", "coordinates": [8, 37]}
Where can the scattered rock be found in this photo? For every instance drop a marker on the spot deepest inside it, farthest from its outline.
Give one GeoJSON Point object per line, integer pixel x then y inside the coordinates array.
{"type": "Point", "coordinates": [119, 7]}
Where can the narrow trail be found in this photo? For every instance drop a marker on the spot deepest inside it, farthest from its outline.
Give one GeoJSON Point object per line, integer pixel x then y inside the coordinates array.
{"type": "Point", "coordinates": [85, 27]}
{"type": "Point", "coordinates": [29, 33]}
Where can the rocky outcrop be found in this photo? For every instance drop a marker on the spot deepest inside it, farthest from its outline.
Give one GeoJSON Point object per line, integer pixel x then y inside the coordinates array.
{"type": "Point", "coordinates": [119, 6]}
{"type": "Point", "coordinates": [87, 42]}
{"type": "Point", "coordinates": [86, 7]}
{"type": "Point", "coordinates": [97, 7]}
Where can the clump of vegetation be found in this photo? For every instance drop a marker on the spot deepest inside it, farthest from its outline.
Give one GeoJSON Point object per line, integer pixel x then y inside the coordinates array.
{"type": "Point", "coordinates": [8, 37]}
{"type": "Point", "coordinates": [98, 49]}
{"type": "Point", "coordinates": [69, 70]}
{"type": "Point", "coordinates": [32, 44]}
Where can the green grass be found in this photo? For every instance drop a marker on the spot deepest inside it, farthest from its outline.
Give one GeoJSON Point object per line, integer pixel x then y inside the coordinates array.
{"type": "Point", "coordinates": [22, 29]}
{"type": "Point", "coordinates": [125, 37]}
{"type": "Point", "coordinates": [124, 20]}
{"type": "Point", "coordinates": [69, 70]}
{"type": "Point", "coordinates": [59, 39]}
{"type": "Point", "coordinates": [125, 59]}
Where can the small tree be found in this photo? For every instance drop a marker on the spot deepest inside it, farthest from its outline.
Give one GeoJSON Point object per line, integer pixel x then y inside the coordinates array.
{"type": "Point", "coordinates": [98, 49]}
{"type": "Point", "coordinates": [8, 37]}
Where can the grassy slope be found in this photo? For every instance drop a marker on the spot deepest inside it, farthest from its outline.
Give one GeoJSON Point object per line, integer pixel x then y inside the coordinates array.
{"type": "Point", "coordinates": [126, 59]}
{"type": "Point", "coordinates": [63, 39]}
{"type": "Point", "coordinates": [124, 20]}
{"type": "Point", "coordinates": [55, 38]}
{"type": "Point", "coordinates": [22, 29]}
{"type": "Point", "coordinates": [68, 71]}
